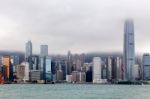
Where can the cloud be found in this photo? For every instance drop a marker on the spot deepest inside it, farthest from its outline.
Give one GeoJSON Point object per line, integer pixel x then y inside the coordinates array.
{"type": "Point", "coordinates": [77, 25]}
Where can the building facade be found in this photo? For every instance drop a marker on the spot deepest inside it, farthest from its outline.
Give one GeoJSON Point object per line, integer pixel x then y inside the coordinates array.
{"type": "Point", "coordinates": [35, 75]}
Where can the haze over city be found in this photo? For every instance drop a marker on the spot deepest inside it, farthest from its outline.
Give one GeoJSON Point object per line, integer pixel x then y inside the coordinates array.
{"type": "Point", "coordinates": [76, 25]}
{"type": "Point", "coordinates": [81, 49]}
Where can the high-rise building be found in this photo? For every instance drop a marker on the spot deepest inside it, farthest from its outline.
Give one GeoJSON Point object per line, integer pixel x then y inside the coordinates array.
{"type": "Point", "coordinates": [20, 72]}
{"type": "Point", "coordinates": [88, 70]}
{"type": "Point", "coordinates": [63, 68]}
{"type": "Point", "coordinates": [136, 72]}
{"type": "Point", "coordinates": [35, 62]}
{"type": "Point", "coordinates": [28, 54]}
{"type": "Point", "coordinates": [96, 70]}
{"type": "Point", "coordinates": [26, 72]}
{"type": "Point", "coordinates": [44, 50]}
{"type": "Point", "coordinates": [129, 50]}
{"type": "Point", "coordinates": [41, 66]}
{"type": "Point", "coordinates": [59, 75]}
{"type": "Point", "coordinates": [69, 63]}
{"type": "Point", "coordinates": [104, 70]}
{"type": "Point", "coordinates": [77, 65]}
{"type": "Point", "coordinates": [118, 63]}
{"type": "Point", "coordinates": [82, 77]}
{"type": "Point", "coordinates": [146, 67]}
{"type": "Point", "coordinates": [45, 67]}
{"type": "Point", "coordinates": [14, 59]}
{"type": "Point", "coordinates": [6, 67]}
{"type": "Point", "coordinates": [48, 70]}
{"type": "Point", "coordinates": [82, 58]}
{"type": "Point", "coordinates": [109, 68]}
{"type": "Point", "coordinates": [89, 76]}
{"type": "Point", "coordinates": [28, 50]}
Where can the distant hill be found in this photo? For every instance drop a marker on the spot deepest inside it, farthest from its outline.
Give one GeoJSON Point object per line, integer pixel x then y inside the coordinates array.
{"type": "Point", "coordinates": [20, 54]}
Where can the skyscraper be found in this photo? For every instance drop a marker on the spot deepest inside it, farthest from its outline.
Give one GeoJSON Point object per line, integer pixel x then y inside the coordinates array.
{"type": "Point", "coordinates": [28, 50]}
{"type": "Point", "coordinates": [118, 63]}
{"type": "Point", "coordinates": [129, 50]}
{"type": "Point", "coordinates": [45, 67]}
{"type": "Point", "coordinates": [146, 66]}
{"type": "Point", "coordinates": [109, 68]}
{"type": "Point", "coordinates": [69, 63]}
{"type": "Point", "coordinates": [14, 59]}
{"type": "Point", "coordinates": [26, 72]}
{"type": "Point", "coordinates": [44, 50]}
{"type": "Point", "coordinates": [97, 70]}
{"type": "Point", "coordinates": [28, 54]}
{"type": "Point", "coordinates": [6, 68]}
{"type": "Point", "coordinates": [48, 70]}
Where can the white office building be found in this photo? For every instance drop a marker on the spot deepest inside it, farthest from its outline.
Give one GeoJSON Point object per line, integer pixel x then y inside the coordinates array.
{"type": "Point", "coordinates": [97, 70]}
{"type": "Point", "coordinates": [26, 77]}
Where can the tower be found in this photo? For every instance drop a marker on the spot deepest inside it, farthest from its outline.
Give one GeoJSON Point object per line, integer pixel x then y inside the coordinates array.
{"type": "Point", "coordinates": [28, 49]}
{"type": "Point", "coordinates": [129, 49]}
{"type": "Point", "coordinates": [69, 63]}
{"type": "Point", "coordinates": [28, 54]}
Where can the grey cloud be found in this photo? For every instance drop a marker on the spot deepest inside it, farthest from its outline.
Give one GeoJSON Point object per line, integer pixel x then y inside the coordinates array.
{"type": "Point", "coordinates": [77, 25]}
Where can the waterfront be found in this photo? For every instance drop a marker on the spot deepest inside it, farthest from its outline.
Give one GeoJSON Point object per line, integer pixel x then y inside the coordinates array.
{"type": "Point", "coordinates": [74, 91]}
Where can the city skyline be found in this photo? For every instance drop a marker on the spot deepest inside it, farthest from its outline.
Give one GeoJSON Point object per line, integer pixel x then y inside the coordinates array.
{"type": "Point", "coordinates": [78, 49]}
{"type": "Point", "coordinates": [74, 68]}
{"type": "Point", "coordinates": [58, 23]}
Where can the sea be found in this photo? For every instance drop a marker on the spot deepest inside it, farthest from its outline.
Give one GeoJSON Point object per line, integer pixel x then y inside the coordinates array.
{"type": "Point", "coordinates": [74, 91]}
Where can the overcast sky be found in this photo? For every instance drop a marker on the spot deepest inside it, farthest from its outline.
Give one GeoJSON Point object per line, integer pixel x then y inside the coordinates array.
{"type": "Point", "coordinates": [76, 25]}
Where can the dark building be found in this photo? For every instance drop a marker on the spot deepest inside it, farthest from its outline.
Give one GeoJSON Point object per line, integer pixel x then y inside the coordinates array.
{"type": "Point", "coordinates": [89, 75]}
{"type": "Point", "coordinates": [69, 63]}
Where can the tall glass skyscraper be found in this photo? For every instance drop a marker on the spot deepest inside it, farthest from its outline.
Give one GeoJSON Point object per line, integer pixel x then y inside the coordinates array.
{"type": "Point", "coordinates": [129, 49]}
{"type": "Point", "coordinates": [28, 49]}
{"type": "Point", "coordinates": [28, 54]}
{"type": "Point", "coordinates": [45, 67]}
{"type": "Point", "coordinates": [69, 63]}
{"type": "Point", "coordinates": [146, 66]}
{"type": "Point", "coordinates": [48, 72]}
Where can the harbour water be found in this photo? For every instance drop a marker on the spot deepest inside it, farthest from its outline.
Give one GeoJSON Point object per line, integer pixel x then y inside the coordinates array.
{"type": "Point", "coordinates": [74, 91]}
